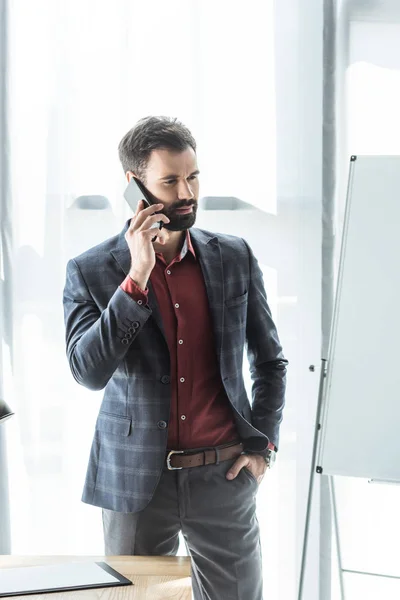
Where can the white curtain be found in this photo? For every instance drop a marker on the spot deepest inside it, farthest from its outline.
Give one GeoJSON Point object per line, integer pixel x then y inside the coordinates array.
{"type": "Point", "coordinates": [5, 277]}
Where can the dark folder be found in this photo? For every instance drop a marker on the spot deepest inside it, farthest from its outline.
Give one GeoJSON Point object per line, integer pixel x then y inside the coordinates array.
{"type": "Point", "coordinates": [59, 577]}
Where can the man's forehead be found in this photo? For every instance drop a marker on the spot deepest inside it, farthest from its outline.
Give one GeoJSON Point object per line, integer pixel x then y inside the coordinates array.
{"type": "Point", "coordinates": [171, 161]}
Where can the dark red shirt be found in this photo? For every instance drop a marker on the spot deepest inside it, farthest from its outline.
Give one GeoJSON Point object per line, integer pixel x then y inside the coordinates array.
{"type": "Point", "coordinates": [200, 411]}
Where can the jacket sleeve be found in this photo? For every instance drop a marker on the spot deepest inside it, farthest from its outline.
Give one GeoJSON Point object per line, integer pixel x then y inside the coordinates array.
{"type": "Point", "coordinates": [267, 363]}
{"type": "Point", "coordinates": [98, 341]}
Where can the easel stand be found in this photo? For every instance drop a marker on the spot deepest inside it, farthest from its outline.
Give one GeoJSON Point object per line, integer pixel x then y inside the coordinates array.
{"type": "Point", "coordinates": [312, 475]}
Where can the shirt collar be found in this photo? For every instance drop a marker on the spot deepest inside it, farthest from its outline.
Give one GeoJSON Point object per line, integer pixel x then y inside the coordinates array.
{"type": "Point", "coordinates": [187, 246]}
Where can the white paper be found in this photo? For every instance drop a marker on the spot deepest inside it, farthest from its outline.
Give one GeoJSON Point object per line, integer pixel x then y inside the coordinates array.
{"type": "Point", "coordinates": [27, 579]}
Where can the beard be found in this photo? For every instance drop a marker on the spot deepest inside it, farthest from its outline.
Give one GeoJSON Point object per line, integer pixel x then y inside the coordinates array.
{"type": "Point", "coordinates": [180, 222]}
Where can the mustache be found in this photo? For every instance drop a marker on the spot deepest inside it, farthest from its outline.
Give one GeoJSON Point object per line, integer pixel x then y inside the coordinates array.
{"type": "Point", "coordinates": [187, 205]}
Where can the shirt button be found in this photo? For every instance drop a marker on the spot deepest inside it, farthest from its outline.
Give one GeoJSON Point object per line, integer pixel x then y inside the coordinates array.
{"type": "Point", "coordinates": [181, 341]}
{"type": "Point", "coordinates": [182, 379]}
{"type": "Point", "coordinates": [139, 302]}
{"type": "Point", "coordinates": [162, 424]}
{"type": "Point", "coordinates": [176, 305]}
{"type": "Point", "coordinates": [169, 272]}
{"type": "Point", "coordinates": [183, 417]}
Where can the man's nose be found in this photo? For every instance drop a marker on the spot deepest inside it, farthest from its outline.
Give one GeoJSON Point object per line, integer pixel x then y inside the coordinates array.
{"type": "Point", "coordinates": [185, 192]}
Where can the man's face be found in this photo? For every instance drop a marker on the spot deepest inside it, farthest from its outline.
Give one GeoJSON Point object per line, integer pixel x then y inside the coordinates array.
{"type": "Point", "coordinates": [172, 177]}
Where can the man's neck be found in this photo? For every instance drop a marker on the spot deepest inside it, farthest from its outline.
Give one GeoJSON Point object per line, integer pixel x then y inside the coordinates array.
{"type": "Point", "coordinates": [173, 246]}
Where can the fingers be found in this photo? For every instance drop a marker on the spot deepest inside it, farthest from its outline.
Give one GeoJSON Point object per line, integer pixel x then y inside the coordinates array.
{"type": "Point", "coordinates": [154, 234]}
{"type": "Point", "coordinates": [133, 220]}
{"type": "Point", "coordinates": [253, 462]}
{"type": "Point", "coordinates": [235, 469]}
{"type": "Point", "coordinates": [139, 207]}
{"type": "Point", "coordinates": [144, 223]}
{"type": "Point", "coordinates": [142, 213]}
{"type": "Point", "coordinates": [152, 219]}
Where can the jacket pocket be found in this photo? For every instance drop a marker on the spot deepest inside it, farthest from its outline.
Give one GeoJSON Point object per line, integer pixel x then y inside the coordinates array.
{"type": "Point", "coordinates": [115, 424]}
{"type": "Point", "coordinates": [236, 301]}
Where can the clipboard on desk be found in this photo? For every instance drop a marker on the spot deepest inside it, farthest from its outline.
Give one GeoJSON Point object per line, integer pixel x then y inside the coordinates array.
{"type": "Point", "coordinates": [20, 581]}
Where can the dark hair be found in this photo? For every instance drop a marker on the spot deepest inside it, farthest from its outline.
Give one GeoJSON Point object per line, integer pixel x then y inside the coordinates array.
{"type": "Point", "coordinates": [152, 133]}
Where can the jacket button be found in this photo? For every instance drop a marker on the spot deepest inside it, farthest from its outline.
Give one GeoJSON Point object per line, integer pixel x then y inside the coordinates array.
{"type": "Point", "coordinates": [124, 341]}
{"type": "Point", "coordinates": [165, 379]}
{"type": "Point", "coordinates": [162, 424]}
{"type": "Point", "coordinates": [136, 324]}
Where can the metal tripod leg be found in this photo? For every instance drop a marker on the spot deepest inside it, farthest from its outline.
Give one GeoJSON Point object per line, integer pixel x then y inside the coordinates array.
{"type": "Point", "coordinates": [337, 538]}
{"type": "Point", "coordinates": [311, 482]}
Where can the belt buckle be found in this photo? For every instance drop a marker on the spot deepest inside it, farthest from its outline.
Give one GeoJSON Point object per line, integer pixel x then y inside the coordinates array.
{"type": "Point", "coordinates": [170, 467]}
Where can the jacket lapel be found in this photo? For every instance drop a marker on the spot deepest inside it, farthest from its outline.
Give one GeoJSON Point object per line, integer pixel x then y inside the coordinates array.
{"type": "Point", "coordinates": [208, 252]}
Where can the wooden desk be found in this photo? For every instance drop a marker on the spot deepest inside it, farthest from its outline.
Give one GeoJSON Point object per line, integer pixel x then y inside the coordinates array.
{"type": "Point", "coordinates": [155, 577]}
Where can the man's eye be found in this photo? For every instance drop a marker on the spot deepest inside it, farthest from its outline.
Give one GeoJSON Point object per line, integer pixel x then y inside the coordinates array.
{"type": "Point", "coordinates": [170, 181]}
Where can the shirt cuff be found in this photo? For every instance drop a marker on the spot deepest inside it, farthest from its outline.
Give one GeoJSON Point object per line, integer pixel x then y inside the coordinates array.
{"type": "Point", "coordinates": [130, 287]}
{"type": "Point", "coordinates": [263, 453]}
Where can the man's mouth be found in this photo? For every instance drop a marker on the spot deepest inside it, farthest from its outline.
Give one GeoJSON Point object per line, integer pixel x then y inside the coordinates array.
{"type": "Point", "coordinates": [185, 210]}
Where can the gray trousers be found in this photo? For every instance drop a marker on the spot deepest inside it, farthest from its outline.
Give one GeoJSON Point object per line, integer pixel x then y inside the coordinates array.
{"type": "Point", "coordinates": [218, 521]}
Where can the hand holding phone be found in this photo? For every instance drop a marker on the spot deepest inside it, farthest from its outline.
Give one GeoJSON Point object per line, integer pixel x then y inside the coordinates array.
{"type": "Point", "coordinates": [135, 192]}
{"type": "Point", "coordinates": [139, 237]}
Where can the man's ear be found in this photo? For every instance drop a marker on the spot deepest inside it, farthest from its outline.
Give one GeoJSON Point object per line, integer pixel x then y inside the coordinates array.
{"type": "Point", "coordinates": [129, 175]}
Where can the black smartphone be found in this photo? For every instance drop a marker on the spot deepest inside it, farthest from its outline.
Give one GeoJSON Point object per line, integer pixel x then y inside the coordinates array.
{"type": "Point", "coordinates": [135, 192]}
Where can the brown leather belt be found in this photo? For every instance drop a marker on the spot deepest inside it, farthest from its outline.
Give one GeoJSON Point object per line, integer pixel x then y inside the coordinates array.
{"type": "Point", "coordinates": [184, 459]}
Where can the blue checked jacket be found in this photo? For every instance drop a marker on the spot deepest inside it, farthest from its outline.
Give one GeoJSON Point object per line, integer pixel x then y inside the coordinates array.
{"type": "Point", "coordinates": [116, 344]}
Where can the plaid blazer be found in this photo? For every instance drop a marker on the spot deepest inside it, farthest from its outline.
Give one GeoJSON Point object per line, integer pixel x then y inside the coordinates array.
{"type": "Point", "coordinates": [116, 344]}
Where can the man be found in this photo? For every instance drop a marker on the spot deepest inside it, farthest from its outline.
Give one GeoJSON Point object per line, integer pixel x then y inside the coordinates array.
{"type": "Point", "coordinates": [160, 319]}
